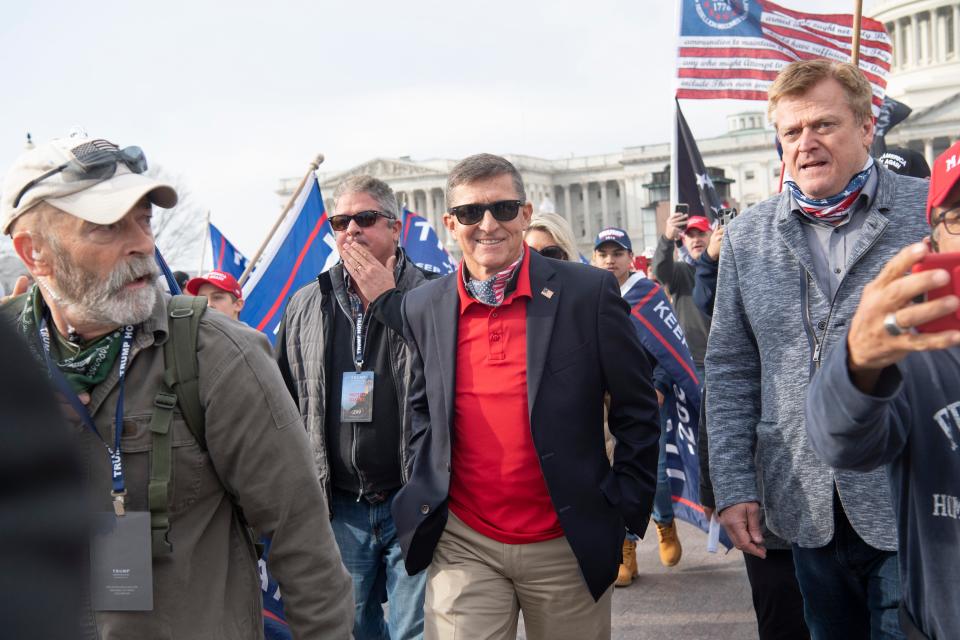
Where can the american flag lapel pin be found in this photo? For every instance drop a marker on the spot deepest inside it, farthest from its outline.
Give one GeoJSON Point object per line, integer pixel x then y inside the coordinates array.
{"type": "Point", "coordinates": [546, 293]}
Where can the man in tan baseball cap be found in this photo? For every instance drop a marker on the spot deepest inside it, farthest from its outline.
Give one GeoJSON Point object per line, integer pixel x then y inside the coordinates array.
{"type": "Point", "coordinates": [79, 213]}
{"type": "Point", "coordinates": [89, 178]}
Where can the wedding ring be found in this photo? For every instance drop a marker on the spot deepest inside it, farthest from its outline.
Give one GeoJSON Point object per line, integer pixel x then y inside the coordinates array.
{"type": "Point", "coordinates": [890, 324]}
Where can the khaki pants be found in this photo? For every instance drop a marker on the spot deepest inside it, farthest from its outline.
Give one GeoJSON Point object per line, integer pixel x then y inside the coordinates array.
{"type": "Point", "coordinates": [477, 586]}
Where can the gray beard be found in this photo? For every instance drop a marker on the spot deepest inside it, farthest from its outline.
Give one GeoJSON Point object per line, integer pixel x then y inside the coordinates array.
{"type": "Point", "coordinates": [88, 298]}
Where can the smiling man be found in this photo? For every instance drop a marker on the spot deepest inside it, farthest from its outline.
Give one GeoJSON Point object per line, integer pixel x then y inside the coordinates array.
{"type": "Point", "coordinates": [511, 499]}
{"type": "Point", "coordinates": [792, 272]}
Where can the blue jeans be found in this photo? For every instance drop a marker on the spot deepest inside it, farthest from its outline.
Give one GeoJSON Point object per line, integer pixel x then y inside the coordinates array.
{"type": "Point", "coordinates": [371, 553]}
{"type": "Point", "coordinates": [662, 499]}
{"type": "Point", "coordinates": [850, 589]}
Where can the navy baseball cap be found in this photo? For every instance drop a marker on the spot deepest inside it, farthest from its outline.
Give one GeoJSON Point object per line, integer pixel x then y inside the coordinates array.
{"type": "Point", "coordinates": [906, 162]}
{"type": "Point", "coordinates": [614, 235]}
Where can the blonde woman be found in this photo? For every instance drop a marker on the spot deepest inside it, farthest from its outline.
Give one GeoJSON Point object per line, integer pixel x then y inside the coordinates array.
{"type": "Point", "coordinates": [550, 235]}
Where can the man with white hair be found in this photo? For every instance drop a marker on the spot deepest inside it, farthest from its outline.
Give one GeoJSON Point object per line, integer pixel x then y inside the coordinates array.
{"type": "Point", "coordinates": [176, 488]}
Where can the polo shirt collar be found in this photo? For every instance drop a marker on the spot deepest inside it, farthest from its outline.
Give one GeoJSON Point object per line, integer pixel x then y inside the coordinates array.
{"type": "Point", "coordinates": [518, 286]}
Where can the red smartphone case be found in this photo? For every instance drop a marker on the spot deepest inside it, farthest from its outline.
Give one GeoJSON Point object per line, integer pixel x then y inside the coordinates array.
{"type": "Point", "coordinates": [950, 262]}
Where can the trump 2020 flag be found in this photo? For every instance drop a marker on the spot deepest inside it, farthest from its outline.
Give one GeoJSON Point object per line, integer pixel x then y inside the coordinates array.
{"type": "Point", "coordinates": [659, 330]}
{"type": "Point", "coordinates": [275, 625]}
{"type": "Point", "coordinates": [225, 255]}
{"type": "Point", "coordinates": [301, 249]}
{"type": "Point", "coordinates": [422, 245]}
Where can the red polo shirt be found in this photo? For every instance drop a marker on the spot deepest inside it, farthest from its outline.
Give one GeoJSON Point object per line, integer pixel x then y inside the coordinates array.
{"type": "Point", "coordinates": [496, 485]}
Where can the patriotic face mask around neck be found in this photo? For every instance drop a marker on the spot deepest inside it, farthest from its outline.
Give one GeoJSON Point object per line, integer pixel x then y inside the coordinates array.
{"type": "Point", "coordinates": [836, 209]}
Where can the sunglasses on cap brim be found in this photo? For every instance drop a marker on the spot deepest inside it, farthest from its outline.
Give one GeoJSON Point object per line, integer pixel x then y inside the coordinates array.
{"type": "Point", "coordinates": [95, 160]}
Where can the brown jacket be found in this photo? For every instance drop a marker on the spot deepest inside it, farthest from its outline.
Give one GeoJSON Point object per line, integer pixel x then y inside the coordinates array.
{"type": "Point", "coordinates": [257, 459]}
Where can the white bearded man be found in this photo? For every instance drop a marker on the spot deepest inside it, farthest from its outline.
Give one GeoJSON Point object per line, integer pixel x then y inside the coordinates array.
{"type": "Point", "coordinates": [176, 506]}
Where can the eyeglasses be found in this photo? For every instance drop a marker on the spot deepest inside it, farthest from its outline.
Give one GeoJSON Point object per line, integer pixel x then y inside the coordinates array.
{"type": "Point", "coordinates": [94, 160]}
{"type": "Point", "coordinates": [951, 221]}
{"type": "Point", "coordinates": [553, 251]}
{"type": "Point", "coordinates": [363, 219]}
{"type": "Point", "coordinates": [503, 211]}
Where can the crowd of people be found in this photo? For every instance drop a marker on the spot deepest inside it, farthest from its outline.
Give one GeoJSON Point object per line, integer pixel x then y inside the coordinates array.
{"type": "Point", "coordinates": [472, 447]}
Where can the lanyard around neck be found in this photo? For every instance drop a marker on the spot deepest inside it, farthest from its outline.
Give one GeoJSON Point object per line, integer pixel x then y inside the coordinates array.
{"type": "Point", "coordinates": [116, 460]}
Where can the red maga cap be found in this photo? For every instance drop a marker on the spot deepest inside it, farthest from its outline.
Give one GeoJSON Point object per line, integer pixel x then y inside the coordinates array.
{"type": "Point", "coordinates": [219, 279]}
{"type": "Point", "coordinates": [944, 177]}
{"type": "Point", "coordinates": [698, 222]}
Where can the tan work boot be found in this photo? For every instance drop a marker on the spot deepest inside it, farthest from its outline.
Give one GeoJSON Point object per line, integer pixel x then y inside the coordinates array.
{"type": "Point", "coordinates": [628, 568]}
{"type": "Point", "coordinates": [670, 549]}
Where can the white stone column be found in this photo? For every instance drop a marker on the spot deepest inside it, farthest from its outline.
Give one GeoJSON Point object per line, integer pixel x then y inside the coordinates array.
{"type": "Point", "coordinates": [956, 31]}
{"type": "Point", "coordinates": [938, 32]}
{"type": "Point", "coordinates": [587, 223]}
{"type": "Point", "coordinates": [915, 44]}
{"type": "Point", "coordinates": [624, 206]}
{"type": "Point", "coordinates": [895, 42]}
{"type": "Point", "coordinates": [430, 211]}
{"type": "Point", "coordinates": [604, 205]}
{"type": "Point", "coordinates": [928, 150]}
{"type": "Point", "coordinates": [567, 208]}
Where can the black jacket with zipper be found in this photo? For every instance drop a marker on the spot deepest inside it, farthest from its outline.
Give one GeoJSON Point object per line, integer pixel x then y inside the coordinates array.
{"type": "Point", "coordinates": [304, 354]}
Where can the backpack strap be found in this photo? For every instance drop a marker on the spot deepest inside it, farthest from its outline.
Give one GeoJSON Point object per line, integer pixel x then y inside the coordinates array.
{"type": "Point", "coordinates": [161, 460]}
{"type": "Point", "coordinates": [181, 386]}
{"type": "Point", "coordinates": [180, 357]}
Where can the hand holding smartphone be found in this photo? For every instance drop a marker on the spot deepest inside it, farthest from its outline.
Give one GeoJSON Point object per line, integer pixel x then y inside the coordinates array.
{"type": "Point", "coordinates": [726, 215]}
{"type": "Point", "coordinates": [683, 209]}
{"type": "Point", "coordinates": [950, 262]}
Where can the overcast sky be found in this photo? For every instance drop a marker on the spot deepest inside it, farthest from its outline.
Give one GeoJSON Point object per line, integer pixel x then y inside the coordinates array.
{"type": "Point", "coordinates": [231, 98]}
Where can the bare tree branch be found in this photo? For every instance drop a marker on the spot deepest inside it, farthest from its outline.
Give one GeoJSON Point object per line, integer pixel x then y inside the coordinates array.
{"type": "Point", "coordinates": [178, 231]}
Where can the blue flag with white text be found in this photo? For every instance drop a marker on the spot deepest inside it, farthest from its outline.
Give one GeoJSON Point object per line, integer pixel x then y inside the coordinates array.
{"type": "Point", "coordinates": [423, 247]}
{"type": "Point", "coordinates": [659, 330]}
{"type": "Point", "coordinates": [225, 255]}
{"type": "Point", "coordinates": [300, 250]}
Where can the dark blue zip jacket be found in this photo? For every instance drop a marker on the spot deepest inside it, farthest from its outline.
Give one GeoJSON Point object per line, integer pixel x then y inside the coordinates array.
{"type": "Point", "coordinates": [911, 424]}
{"type": "Point", "coordinates": [705, 283]}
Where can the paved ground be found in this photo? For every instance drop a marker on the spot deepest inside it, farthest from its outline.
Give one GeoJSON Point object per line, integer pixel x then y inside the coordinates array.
{"type": "Point", "coordinates": [704, 597]}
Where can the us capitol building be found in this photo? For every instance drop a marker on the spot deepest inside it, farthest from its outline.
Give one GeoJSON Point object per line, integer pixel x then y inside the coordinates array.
{"type": "Point", "coordinates": [630, 188]}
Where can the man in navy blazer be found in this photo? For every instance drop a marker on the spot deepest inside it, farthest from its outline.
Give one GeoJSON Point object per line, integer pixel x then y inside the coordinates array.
{"type": "Point", "coordinates": [511, 501]}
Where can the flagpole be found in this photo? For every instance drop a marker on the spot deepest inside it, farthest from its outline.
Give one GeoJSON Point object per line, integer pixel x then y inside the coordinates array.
{"type": "Point", "coordinates": [674, 174]}
{"type": "Point", "coordinates": [203, 247]}
{"type": "Point", "coordinates": [276, 225]}
{"type": "Point", "coordinates": [857, 18]}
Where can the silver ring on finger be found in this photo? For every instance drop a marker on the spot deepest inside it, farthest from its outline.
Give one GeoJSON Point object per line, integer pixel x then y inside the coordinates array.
{"type": "Point", "coordinates": [890, 324]}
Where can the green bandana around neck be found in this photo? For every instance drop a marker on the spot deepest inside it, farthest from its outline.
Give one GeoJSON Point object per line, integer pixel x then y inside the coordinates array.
{"type": "Point", "coordinates": [84, 369]}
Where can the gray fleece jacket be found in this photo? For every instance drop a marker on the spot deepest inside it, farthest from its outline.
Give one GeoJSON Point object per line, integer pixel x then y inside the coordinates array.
{"type": "Point", "coordinates": [772, 326]}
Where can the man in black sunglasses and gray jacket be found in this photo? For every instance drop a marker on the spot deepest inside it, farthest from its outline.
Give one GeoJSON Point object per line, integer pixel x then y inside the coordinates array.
{"type": "Point", "coordinates": [343, 357]}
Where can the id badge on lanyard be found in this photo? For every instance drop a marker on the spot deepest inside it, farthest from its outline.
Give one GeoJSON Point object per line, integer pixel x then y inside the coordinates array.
{"type": "Point", "coordinates": [356, 390]}
{"type": "Point", "coordinates": [121, 564]}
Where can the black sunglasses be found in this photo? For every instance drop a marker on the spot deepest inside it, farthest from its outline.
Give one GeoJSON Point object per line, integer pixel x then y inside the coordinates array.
{"type": "Point", "coordinates": [554, 251]}
{"type": "Point", "coordinates": [94, 160]}
{"type": "Point", "coordinates": [503, 211]}
{"type": "Point", "coordinates": [363, 219]}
